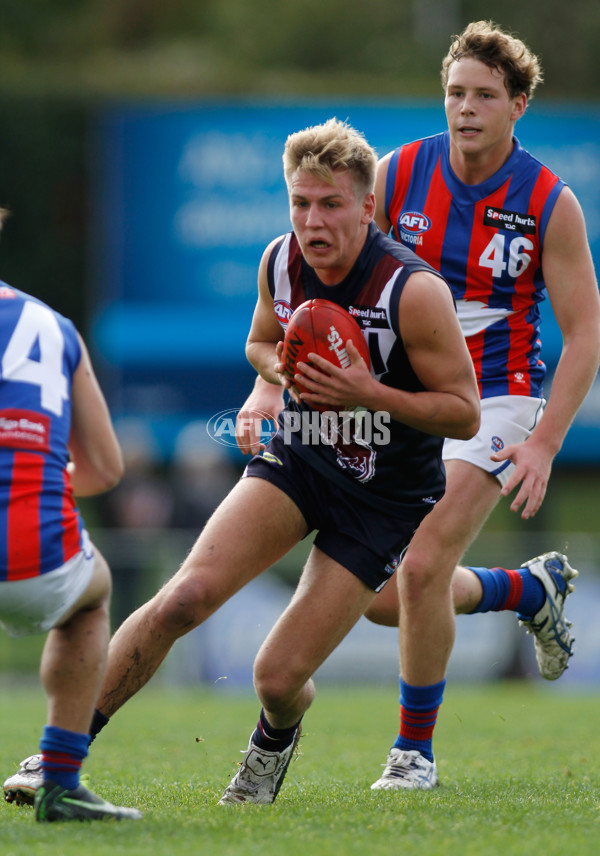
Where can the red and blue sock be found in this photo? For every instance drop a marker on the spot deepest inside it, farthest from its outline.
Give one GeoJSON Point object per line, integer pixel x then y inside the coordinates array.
{"type": "Point", "coordinates": [62, 754]}
{"type": "Point", "coordinates": [518, 591]}
{"type": "Point", "coordinates": [418, 714]}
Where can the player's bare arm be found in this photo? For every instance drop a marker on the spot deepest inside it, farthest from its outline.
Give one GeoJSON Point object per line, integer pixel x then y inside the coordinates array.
{"type": "Point", "coordinates": [573, 293]}
{"type": "Point", "coordinates": [265, 400]}
{"type": "Point", "coordinates": [96, 462]}
{"type": "Point", "coordinates": [381, 217]}
{"type": "Point", "coordinates": [265, 330]}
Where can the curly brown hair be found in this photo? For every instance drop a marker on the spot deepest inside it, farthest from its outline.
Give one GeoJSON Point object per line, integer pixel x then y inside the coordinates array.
{"type": "Point", "coordinates": [484, 41]}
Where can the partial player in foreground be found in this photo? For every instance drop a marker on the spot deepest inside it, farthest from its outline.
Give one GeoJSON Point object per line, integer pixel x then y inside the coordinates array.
{"type": "Point", "coordinates": [365, 498]}
{"type": "Point", "coordinates": [52, 579]}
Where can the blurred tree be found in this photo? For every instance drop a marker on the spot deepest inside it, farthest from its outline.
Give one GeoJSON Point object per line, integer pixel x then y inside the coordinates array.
{"type": "Point", "coordinates": [57, 57]}
{"type": "Point", "coordinates": [42, 183]}
{"type": "Point", "coordinates": [306, 47]}
{"type": "Point", "coordinates": [564, 35]}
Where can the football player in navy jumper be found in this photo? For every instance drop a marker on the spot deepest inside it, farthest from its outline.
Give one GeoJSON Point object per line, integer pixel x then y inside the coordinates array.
{"type": "Point", "coordinates": [422, 379]}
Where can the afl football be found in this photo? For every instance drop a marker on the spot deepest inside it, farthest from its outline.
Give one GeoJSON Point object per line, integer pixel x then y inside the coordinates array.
{"type": "Point", "coordinates": [321, 327]}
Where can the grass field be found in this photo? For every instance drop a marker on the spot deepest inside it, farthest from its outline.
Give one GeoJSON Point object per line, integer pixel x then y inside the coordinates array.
{"type": "Point", "coordinates": [518, 764]}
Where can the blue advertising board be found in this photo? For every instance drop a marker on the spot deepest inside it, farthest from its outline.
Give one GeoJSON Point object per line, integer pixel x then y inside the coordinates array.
{"type": "Point", "coordinates": [188, 196]}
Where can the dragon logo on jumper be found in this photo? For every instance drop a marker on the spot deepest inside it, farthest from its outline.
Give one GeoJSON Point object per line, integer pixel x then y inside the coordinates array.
{"type": "Point", "coordinates": [414, 223]}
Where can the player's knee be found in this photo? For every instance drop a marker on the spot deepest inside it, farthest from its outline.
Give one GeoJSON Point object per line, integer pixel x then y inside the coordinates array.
{"type": "Point", "coordinates": [271, 691]}
{"type": "Point", "coordinates": [182, 605]}
{"type": "Point", "coordinates": [276, 687]}
{"type": "Point", "coordinates": [418, 577]}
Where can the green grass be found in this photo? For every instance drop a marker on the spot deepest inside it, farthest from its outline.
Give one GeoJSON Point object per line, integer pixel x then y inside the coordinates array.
{"type": "Point", "coordinates": [518, 763]}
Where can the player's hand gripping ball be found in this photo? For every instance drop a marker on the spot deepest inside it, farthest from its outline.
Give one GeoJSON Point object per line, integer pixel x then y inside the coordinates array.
{"type": "Point", "coordinates": [321, 327]}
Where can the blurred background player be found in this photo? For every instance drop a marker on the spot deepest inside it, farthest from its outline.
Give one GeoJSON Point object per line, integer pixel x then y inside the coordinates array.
{"type": "Point", "coordinates": [504, 230]}
{"type": "Point", "coordinates": [52, 579]}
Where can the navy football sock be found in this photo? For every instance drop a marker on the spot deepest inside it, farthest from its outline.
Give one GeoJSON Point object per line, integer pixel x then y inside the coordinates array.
{"type": "Point", "coordinates": [98, 723]}
{"type": "Point", "coordinates": [273, 739]}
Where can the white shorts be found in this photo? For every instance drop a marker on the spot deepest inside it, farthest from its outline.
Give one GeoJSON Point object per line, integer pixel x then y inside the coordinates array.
{"type": "Point", "coordinates": [505, 419]}
{"type": "Point", "coordinates": [37, 604]}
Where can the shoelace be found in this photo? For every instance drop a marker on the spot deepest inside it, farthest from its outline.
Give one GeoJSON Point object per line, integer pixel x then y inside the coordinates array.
{"type": "Point", "coordinates": [403, 764]}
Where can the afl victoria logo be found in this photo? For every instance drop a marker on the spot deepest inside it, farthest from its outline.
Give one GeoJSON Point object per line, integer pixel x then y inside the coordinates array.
{"type": "Point", "coordinates": [414, 223]}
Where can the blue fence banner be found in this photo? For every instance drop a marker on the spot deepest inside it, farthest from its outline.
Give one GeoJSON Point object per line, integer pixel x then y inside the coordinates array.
{"type": "Point", "coordinates": [188, 196]}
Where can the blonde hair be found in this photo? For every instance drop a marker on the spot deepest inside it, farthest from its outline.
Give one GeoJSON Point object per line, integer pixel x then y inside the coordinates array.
{"type": "Point", "coordinates": [484, 41]}
{"type": "Point", "coordinates": [324, 149]}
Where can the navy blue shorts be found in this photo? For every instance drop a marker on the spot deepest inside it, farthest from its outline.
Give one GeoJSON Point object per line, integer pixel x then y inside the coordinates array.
{"type": "Point", "coordinates": [366, 541]}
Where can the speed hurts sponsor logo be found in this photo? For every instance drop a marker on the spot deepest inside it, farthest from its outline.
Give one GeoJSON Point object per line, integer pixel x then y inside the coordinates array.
{"type": "Point", "coordinates": [503, 218]}
{"type": "Point", "coordinates": [369, 316]}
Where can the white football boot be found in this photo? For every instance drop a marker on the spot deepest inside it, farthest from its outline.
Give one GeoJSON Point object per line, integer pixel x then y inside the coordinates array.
{"type": "Point", "coordinates": [260, 775]}
{"type": "Point", "coordinates": [21, 787]}
{"type": "Point", "coordinates": [407, 769]}
{"type": "Point", "coordinates": [552, 638]}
